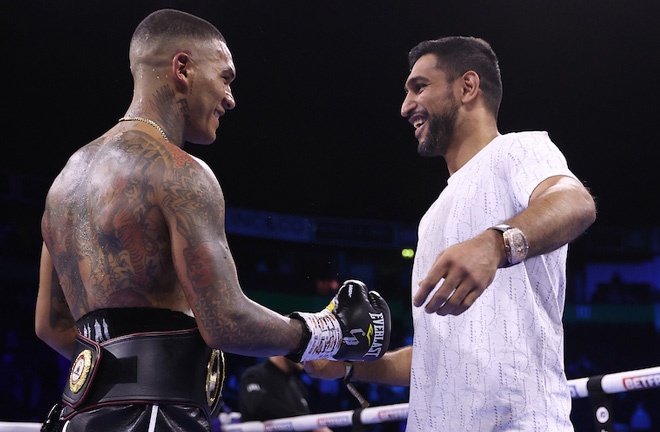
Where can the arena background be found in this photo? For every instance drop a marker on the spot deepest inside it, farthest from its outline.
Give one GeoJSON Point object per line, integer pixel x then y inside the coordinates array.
{"type": "Point", "coordinates": [320, 172]}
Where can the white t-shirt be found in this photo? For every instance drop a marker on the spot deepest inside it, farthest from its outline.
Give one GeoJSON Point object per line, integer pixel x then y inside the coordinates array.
{"type": "Point", "coordinates": [499, 365]}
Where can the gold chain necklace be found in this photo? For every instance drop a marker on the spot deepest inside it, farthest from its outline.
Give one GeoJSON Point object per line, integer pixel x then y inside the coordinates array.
{"type": "Point", "coordinates": [147, 121]}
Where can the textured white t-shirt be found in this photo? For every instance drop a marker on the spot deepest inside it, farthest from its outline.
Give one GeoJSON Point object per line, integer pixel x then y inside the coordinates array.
{"type": "Point", "coordinates": [499, 365]}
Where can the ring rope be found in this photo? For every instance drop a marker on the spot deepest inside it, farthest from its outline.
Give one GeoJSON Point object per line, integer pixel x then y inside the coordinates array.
{"type": "Point", "coordinates": [619, 382]}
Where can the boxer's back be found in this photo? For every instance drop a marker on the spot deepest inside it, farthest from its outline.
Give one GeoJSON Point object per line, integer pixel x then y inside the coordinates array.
{"type": "Point", "coordinates": [105, 231]}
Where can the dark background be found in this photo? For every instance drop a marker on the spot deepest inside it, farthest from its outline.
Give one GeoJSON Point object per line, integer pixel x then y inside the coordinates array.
{"type": "Point", "coordinates": [317, 128]}
{"type": "Point", "coordinates": [317, 131]}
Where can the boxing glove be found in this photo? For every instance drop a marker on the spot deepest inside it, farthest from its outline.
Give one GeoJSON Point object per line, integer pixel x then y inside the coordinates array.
{"type": "Point", "coordinates": [355, 326]}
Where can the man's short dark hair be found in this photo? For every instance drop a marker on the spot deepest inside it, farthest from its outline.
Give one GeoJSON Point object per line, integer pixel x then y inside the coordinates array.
{"type": "Point", "coordinates": [457, 55]}
{"type": "Point", "coordinates": [172, 23]}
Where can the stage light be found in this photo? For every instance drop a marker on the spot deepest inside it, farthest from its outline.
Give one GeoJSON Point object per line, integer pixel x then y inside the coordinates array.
{"type": "Point", "coordinates": [407, 253]}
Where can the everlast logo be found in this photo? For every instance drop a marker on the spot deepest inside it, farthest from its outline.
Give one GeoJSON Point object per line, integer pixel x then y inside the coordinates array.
{"type": "Point", "coordinates": [378, 330]}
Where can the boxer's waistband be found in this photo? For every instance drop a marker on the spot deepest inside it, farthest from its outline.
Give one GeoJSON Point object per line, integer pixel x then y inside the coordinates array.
{"type": "Point", "coordinates": [105, 324]}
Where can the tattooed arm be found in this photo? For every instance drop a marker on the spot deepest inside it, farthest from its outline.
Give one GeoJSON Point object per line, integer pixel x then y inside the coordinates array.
{"type": "Point", "coordinates": [194, 206]}
{"type": "Point", "coordinates": [54, 323]}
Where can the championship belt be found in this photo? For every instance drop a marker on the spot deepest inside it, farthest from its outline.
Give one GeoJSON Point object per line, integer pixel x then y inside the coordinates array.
{"type": "Point", "coordinates": [173, 367]}
{"type": "Point", "coordinates": [83, 369]}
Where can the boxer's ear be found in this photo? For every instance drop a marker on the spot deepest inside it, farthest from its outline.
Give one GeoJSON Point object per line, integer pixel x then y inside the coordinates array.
{"type": "Point", "coordinates": [182, 71]}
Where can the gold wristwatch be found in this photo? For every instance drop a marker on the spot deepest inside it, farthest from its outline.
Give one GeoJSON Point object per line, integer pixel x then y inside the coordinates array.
{"type": "Point", "coordinates": [515, 243]}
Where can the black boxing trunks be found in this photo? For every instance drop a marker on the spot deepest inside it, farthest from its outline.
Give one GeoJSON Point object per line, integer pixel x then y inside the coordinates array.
{"type": "Point", "coordinates": [141, 369]}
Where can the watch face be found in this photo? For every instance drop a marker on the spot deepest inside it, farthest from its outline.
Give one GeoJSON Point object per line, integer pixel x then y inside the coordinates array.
{"type": "Point", "coordinates": [517, 245]}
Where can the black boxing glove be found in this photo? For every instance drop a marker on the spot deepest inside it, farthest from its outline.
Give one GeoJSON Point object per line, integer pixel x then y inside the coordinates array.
{"type": "Point", "coordinates": [355, 326]}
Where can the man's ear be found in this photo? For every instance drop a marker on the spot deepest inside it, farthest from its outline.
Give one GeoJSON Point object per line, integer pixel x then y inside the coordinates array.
{"type": "Point", "coordinates": [470, 86]}
{"type": "Point", "coordinates": [182, 71]}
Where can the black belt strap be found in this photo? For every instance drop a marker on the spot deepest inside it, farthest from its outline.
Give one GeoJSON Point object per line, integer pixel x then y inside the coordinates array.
{"type": "Point", "coordinates": [174, 367]}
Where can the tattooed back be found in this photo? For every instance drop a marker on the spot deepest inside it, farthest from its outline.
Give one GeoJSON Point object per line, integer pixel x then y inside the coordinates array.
{"type": "Point", "coordinates": [104, 226]}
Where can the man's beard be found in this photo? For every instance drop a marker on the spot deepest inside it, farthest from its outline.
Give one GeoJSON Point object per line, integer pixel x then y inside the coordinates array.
{"type": "Point", "coordinates": [440, 132]}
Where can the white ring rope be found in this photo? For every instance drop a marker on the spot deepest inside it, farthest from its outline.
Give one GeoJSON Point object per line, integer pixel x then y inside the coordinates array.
{"type": "Point", "coordinates": [619, 382]}
{"type": "Point", "coordinates": [369, 415]}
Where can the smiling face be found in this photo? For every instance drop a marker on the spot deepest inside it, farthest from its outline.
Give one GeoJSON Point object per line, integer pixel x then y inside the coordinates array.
{"type": "Point", "coordinates": [430, 106]}
{"type": "Point", "coordinates": [209, 94]}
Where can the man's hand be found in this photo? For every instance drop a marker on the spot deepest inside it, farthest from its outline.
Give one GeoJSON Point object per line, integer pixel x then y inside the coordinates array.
{"type": "Point", "coordinates": [462, 272]}
{"type": "Point", "coordinates": [392, 369]}
{"type": "Point", "coordinates": [325, 369]}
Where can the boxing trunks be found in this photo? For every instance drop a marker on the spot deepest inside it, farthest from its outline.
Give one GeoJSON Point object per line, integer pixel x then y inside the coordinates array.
{"type": "Point", "coordinates": [139, 368]}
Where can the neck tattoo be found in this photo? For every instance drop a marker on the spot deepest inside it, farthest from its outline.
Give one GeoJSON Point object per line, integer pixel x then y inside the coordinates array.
{"type": "Point", "coordinates": [147, 121]}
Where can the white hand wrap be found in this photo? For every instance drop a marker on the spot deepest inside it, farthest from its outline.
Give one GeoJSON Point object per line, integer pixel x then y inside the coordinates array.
{"type": "Point", "coordinates": [325, 333]}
